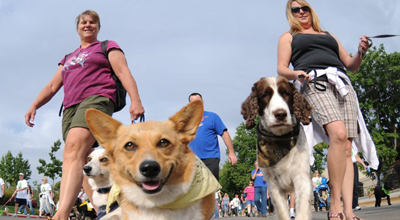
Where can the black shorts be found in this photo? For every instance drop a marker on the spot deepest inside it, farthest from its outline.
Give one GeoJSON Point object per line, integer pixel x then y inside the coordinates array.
{"type": "Point", "coordinates": [20, 201]}
{"type": "Point", "coordinates": [213, 166]}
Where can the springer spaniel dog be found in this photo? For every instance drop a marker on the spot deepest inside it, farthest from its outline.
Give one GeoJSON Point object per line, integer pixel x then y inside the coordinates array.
{"type": "Point", "coordinates": [282, 151]}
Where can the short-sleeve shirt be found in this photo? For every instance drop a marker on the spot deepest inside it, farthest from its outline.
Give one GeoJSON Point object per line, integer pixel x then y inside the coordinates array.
{"type": "Point", "coordinates": [45, 189]}
{"type": "Point", "coordinates": [259, 180]}
{"type": "Point", "coordinates": [250, 193]}
{"type": "Point", "coordinates": [205, 145]}
{"type": "Point", "coordinates": [87, 72]}
{"type": "Point", "coordinates": [22, 194]}
{"type": "Point", "coordinates": [316, 181]}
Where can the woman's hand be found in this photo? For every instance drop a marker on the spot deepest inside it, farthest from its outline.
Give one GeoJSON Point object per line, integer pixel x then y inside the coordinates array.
{"type": "Point", "coordinates": [363, 46]}
{"type": "Point", "coordinates": [302, 76]}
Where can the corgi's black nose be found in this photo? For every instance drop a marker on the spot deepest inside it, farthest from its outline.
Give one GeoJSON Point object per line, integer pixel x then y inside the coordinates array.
{"type": "Point", "coordinates": [149, 168]}
{"type": "Point", "coordinates": [87, 169]}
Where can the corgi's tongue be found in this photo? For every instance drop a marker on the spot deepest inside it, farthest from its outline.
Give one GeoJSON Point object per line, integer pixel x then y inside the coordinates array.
{"type": "Point", "coordinates": [151, 185]}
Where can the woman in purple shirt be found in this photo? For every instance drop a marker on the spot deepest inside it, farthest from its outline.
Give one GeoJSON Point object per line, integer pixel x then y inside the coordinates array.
{"type": "Point", "coordinates": [87, 80]}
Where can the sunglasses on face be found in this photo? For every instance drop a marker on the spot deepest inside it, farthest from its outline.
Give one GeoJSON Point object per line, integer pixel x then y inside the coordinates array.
{"type": "Point", "coordinates": [297, 9]}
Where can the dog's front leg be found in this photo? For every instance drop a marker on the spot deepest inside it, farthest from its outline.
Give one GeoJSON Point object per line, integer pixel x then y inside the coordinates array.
{"type": "Point", "coordinates": [280, 203]}
{"type": "Point", "coordinates": [303, 197]}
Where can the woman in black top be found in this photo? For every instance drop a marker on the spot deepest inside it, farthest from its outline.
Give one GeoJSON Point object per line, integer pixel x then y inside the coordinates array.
{"type": "Point", "coordinates": [315, 53]}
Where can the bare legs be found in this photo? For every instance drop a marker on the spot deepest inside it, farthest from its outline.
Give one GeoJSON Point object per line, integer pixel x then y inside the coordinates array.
{"type": "Point", "coordinates": [347, 187]}
{"type": "Point", "coordinates": [77, 147]}
{"type": "Point", "coordinates": [336, 162]}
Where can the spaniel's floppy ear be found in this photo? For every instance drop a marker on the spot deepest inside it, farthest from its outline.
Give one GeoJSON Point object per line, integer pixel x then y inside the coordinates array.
{"type": "Point", "coordinates": [301, 107]}
{"type": "Point", "coordinates": [250, 108]}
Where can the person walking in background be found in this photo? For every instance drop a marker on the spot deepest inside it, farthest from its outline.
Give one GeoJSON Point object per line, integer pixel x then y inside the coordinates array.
{"type": "Point", "coordinates": [260, 190]}
{"type": "Point", "coordinates": [1, 189]}
{"type": "Point", "coordinates": [235, 205]}
{"type": "Point", "coordinates": [20, 194]}
{"type": "Point", "coordinates": [86, 75]}
{"type": "Point", "coordinates": [316, 181]}
{"type": "Point", "coordinates": [225, 204]}
{"type": "Point", "coordinates": [205, 144]}
{"type": "Point", "coordinates": [356, 159]}
{"type": "Point", "coordinates": [249, 190]}
{"type": "Point", "coordinates": [29, 199]}
{"type": "Point", "coordinates": [242, 205]}
{"type": "Point", "coordinates": [315, 55]}
{"type": "Point", "coordinates": [46, 198]}
{"type": "Point", "coordinates": [218, 198]}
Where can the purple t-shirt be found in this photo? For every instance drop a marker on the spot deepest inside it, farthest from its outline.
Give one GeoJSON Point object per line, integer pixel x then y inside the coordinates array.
{"type": "Point", "coordinates": [87, 72]}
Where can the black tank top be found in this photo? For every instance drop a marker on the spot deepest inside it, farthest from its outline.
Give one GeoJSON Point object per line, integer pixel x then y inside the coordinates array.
{"type": "Point", "coordinates": [315, 51]}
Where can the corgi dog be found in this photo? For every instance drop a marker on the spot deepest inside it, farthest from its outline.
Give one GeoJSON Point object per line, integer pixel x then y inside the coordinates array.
{"type": "Point", "coordinates": [98, 172]}
{"type": "Point", "coordinates": [157, 176]}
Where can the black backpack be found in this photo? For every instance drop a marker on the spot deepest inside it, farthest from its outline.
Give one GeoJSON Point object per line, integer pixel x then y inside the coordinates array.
{"type": "Point", "coordinates": [120, 101]}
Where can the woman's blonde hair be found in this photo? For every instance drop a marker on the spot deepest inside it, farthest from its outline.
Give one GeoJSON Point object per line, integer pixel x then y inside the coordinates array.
{"type": "Point", "coordinates": [91, 13]}
{"type": "Point", "coordinates": [295, 25]}
{"type": "Point", "coordinates": [45, 179]}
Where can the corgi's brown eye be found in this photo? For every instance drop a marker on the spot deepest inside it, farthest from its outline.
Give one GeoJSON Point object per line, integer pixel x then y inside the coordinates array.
{"type": "Point", "coordinates": [130, 146]}
{"type": "Point", "coordinates": [89, 159]}
{"type": "Point", "coordinates": [104, 160]}
{"type": "Point", "coordinates": [163, 143]}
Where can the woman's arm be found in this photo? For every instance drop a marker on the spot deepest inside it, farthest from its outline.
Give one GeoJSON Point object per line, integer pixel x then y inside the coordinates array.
{"type": "Point", "coordinates": [284, 56]}
{"type": "Point", "coordinates": [119, 64]}
{"type": "Point", "coordinates": [352, 63]}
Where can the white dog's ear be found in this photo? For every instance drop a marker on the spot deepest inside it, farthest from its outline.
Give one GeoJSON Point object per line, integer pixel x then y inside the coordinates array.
{"type": "Point", "coordinates": [103, 127]}
{"type": "Point", "coordinates": [188, 119]}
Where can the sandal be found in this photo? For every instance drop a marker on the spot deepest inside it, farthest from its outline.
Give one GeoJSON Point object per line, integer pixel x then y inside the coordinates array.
{"type": "Point", "coordinates": [337, 215]}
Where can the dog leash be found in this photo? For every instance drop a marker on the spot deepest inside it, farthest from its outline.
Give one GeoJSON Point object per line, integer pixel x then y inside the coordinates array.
{"type": "Point", "coordinates": [141, 119]}
{"type": "Point", "coordinates": [6, 202]}
{"type": "Point", "coordinates": [362, 54]}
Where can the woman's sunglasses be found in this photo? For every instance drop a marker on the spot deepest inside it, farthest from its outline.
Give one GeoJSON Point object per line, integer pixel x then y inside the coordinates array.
{"type": "Point", "coordinates": [297, 9]}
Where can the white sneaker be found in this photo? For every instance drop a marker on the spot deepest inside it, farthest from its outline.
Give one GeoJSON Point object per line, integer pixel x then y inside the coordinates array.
{"type": "Point", "coordinates": [15, 215]}
{"type": "Point", "coordinates": [292, 215]}
{"type": "Point", "coordinates": [28, 216]}
{"type": "Point", "coordinates": [357, 208]}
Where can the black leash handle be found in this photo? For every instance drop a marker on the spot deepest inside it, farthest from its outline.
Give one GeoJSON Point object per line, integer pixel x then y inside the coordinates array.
{"type": "Point", "coordinates": [377, 36]}
{"type": "Point", "coordinates": [303, 87]}
{"type": "Point", "coordinates": [381, 36]}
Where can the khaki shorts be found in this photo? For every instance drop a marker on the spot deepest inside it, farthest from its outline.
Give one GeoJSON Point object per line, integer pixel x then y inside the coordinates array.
{"type": "Point", "coordinates": [74, 116]}
{"type": "Point", "coordinates": [329, 106]}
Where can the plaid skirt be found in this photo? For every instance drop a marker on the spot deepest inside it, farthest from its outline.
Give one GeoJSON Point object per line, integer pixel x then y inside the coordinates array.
{"type": "Point", "coordinates": [329, 106]}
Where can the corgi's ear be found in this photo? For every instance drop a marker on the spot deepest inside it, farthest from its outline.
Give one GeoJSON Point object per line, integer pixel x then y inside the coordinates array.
{"type": "Point", "coordinates": [188, 119]}
{"type": "Point", "coordinates": [103, 127]}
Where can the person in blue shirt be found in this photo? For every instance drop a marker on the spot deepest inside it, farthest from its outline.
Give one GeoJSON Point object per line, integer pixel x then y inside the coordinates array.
{"type": "Point", "coordinates": [260, 190]}
{"type": "Point", "coordinates": [205, 145]}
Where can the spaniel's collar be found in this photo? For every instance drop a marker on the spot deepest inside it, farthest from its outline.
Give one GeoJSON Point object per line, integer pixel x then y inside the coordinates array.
{"type": "Point", "coordinates": [272, 148]}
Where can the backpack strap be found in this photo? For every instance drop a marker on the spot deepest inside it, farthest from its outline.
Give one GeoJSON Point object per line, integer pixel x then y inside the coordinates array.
{"type": "Point", "coordinates": [104, 48]}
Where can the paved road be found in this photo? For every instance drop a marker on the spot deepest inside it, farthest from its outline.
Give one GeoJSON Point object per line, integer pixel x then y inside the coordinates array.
{"type": "Point", "coordinates": [384, 212]}
{"type": "Point", "coordinates": [368, 212]}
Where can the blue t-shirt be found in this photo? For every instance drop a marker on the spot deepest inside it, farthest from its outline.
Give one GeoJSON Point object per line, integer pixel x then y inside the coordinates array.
{"type": "Point", "coordinates": [205, 144]}
{"type": "Point", "coordinates": [259, 180]}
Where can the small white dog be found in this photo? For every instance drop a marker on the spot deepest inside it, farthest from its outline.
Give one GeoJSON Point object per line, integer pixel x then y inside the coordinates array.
{"type": "Point", "coordinates": [100, 180]}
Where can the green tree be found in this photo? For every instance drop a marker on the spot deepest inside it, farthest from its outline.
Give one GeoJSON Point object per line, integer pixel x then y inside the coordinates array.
{"type": "Point", "coordinates": [10, 166]}
{"type": "Point", "coordinates": [234, 179]}
{"type": "Point", "coordinates": [320, 152]}
{"type": "Point", "coordinates": [54, 168]}
{"type": "Point", "coordinates": [377, 83]}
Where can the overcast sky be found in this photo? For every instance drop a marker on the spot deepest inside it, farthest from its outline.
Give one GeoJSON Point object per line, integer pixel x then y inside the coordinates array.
{"type": "Point", "coordinates": [218, 48]}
